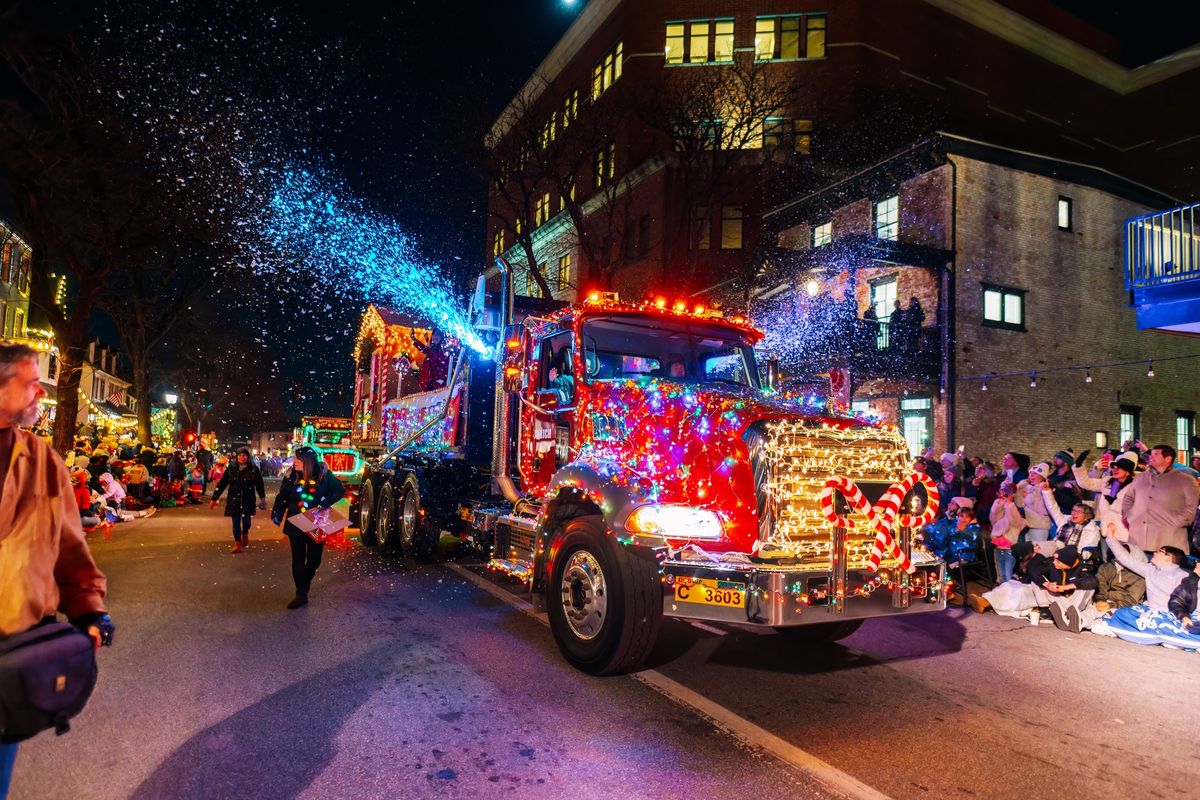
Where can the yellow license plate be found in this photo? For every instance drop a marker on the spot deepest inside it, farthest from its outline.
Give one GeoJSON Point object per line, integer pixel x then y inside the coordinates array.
{"type": "Point", "coordinates": [708, 592]}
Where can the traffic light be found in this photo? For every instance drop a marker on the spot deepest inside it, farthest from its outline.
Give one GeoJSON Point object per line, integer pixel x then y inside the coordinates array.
{"type": "Point", "coordinates": [189, 437]}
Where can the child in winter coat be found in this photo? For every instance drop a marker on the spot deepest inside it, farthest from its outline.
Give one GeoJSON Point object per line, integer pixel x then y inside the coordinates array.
{"type": "Point", "coordinates": [1007, 524]}
{"type": "Point", "coordinates": [195, 483]}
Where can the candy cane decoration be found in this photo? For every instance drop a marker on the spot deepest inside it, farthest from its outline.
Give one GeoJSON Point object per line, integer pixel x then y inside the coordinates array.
{"type": "Point", "coordinates": [882, 517]}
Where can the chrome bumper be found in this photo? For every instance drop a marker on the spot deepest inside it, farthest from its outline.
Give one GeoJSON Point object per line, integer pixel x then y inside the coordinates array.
{"type": "Point", "coordinates": [778, 596]}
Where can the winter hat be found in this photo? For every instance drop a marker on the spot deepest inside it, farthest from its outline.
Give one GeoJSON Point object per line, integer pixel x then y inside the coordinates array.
{"type": "Point", "coordinates": [1042, 469]}
{"type": "Point", "coordinates": [1021, 459]}
{"type": "Point", "coordinates": [1066, 456]}
{"type": "Point", "coordinates": [1068, 555]}
{"type": "Point", "coordinates": [1126, 463]}
{"type": "Point", "coordinates": [961, 502]}
{"type": "Point", "coordinates": [1006, 489]}
{"type": "Point", "coordinates": [1022, 549]}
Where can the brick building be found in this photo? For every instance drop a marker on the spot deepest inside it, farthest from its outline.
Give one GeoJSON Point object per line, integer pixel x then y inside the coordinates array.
{"type": "Point", "coordinates": [1017, 264]}
{"type": "Point", "coordinates": [925, 147]}
{"type": "Point", "coordinates": [863, 80]}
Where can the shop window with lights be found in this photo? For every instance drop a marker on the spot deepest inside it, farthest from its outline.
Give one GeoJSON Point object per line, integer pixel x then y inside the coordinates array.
{"type": "Point", "coordinates": [887, 218]}
{"type": "Point", "coordinates": [1065, 223]}
{"type": "Point", "coordinates": [822, 234]}
{"type": "Point", "coordinates": [699, 41]}
{"type": "Point", "coordinates": [1003, 307]}
{"type": "Point", "coordinates": [607, 70]}
{"type": "Point", "coordinates": [789, 37]}
{"type": "Point", "coordinates": [731, 227]}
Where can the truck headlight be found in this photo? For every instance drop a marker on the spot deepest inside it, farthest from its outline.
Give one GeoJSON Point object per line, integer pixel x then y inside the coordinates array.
{"type": "Point", "coordinates": [675, 522]}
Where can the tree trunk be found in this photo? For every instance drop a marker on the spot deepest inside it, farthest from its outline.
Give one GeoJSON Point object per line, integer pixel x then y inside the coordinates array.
{"type": "Point", "coordinates": [141, 393]}
{"type": "Point", "coordinates": [70, 374]}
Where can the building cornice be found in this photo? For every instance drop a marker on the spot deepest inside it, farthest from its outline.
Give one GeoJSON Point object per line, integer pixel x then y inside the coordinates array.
{"type": "Point", "coordinates": [990, 16]}
{"type": "Point", "coordinates": [594, 14]}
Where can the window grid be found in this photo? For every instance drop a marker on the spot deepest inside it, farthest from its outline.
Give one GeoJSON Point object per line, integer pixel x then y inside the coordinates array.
{"type": "Point", "coordinates": [699, 41]}
{"type": "Point", "coordinates": [887, 218]}
{"type": "Point", "coordinates": [541, 212]}
{"type": "Point", "coordinates": [1131, 424]}
{"type": "Point", "coordinates": [1064, 213]}
{"type": "Point", "coordinates": [822, 234]}
{"type": "Point", "coordinates": [498, 243]}
{"type": "Point", "coordinates": [789, 37]}
{"type": "Point", "coordinates": [605, 165]}
{"type": "Point", "coordinates": [1185, 429]}
{"type": "Point", "coordinates": [607, 70]}
{"type": "Point", "coordinates": [731, 227]}
{"type": "Point", "coordinates": [1003, 307]}
{"type": "Point", "coordinates": [563, 274]}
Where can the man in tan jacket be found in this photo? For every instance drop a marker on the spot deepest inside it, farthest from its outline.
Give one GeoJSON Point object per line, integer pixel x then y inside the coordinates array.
{"type": "Point", "coordinates": [45, 566]}
{"type": "Point", "coordinates": [1160, 504]}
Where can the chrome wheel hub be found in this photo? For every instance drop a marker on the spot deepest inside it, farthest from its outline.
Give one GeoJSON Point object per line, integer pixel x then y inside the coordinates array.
{"type": "Point", "coordinates": [408, 524]}
{"type": "Point", "coordinates": [584, 594]}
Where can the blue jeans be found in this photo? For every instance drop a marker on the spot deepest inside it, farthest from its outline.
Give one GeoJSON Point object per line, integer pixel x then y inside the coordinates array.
{"type": "Point", "coordinates": [241, 525]}
{"type": "Point", "coordinates": [1005, 564]}
{"type": "Point", "coordinates": [8, 755]}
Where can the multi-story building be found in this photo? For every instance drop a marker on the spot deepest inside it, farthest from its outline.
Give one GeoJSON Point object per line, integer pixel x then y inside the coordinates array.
{"type": "Point", "coordinates": [627, 186]}
{"type": "Point", "coordinates": [14, 284]}
{"type": "Point", "coordinates": [978, 155]}
{"type": "Point", "coordinates": [1024, 338]}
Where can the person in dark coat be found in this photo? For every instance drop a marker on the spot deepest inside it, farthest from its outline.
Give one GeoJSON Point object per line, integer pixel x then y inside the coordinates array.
{"type": "Point", "coordinates": [204, 458]}
{"type": "Point", "coordinates": [97, 466]}
{"type": "Point", "coordinates": [243, 480]}
{"type": "Point", "coordinates": [308, 486]}
{"type": "Point", "coordinates": [148, 457]}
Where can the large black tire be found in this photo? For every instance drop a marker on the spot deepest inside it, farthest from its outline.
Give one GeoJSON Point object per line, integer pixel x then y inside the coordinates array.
{"type": "Point", "coordinates": [821, 632]}
{"type": "Point", "coordinates": [604, 599]}
{"type": "Point", "coordinates": [366, 515]}
{"type": "Point", "coordinates": [418, 533]}
{"type": "Point", "coordinates": [387, 539]}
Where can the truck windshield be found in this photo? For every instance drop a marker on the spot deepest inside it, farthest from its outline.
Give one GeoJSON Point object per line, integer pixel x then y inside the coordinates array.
{"type": "Point", "coordinates": [632, 346]}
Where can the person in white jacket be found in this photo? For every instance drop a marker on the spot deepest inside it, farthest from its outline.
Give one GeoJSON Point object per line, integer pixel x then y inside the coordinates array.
{"type": "Point", "coordinates": [1110, 488]}
{"type": "Point", "coordinates": [1031, 502]}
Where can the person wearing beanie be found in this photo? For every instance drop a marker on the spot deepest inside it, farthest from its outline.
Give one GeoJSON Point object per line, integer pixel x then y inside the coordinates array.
{"type": "Point", "coordinates": [1016, 467]}
{"type": "Point", "coordinates": [1067, 589]}
{"type": "Point", "coordinates": [1062, 481]}
{"type": "Point", "coordinates": [1110, 488]}
{"type": "Point", "coordinates": [1033, 504]}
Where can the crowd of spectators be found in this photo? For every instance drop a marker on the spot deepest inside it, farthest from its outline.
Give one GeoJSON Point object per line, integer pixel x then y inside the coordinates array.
{"type": "Point", "coordinates": [1111, 547]}
{"type": "Point", "coordinates": [117, 478]}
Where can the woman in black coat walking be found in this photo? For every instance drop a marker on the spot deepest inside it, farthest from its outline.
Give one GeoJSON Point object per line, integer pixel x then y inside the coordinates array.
{"type": "Point", "coordinates": [308, 486]}
{"type": "Point", "coordinates": [244, 481]}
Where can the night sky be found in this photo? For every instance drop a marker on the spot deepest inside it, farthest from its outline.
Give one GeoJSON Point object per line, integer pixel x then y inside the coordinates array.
{"type": "Point", "coordinates": [385, 93]}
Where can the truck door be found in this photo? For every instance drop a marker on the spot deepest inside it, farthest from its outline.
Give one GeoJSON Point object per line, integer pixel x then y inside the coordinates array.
{"type": "Point", "coordinates": [548, 417]}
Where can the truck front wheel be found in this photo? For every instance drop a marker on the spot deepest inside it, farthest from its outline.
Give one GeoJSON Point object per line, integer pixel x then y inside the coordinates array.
{"type": "Point", "coordinates": [385, 522]}
{"type": "Point", "coordinates": [366, 515]}
{"type": "Point", "coordinates": [604, 599]}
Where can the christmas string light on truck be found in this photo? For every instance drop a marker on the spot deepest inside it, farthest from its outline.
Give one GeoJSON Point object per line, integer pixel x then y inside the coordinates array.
{"type": "Point", "coordinates": [625, 462]}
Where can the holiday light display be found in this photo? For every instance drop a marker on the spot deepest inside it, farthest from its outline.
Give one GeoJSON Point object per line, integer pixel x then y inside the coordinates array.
{"type": "Point", "coordinates": [883, 516]}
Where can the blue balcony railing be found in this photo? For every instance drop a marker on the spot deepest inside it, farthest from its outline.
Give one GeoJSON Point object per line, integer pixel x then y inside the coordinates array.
{"type": "Point", "coordinates": [1163, 248]}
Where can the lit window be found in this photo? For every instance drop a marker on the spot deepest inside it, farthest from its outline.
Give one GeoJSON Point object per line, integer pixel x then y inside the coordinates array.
{"type": "Point", "coordinates": [562, 198]}
{"type": "Point", "coordinates": [701, 228]}
{"type": "Point", "coordinates": [1185, 429]}
{"type": "Point", "coordinates": [1131, 424]}
{"type": "Point", "coordinates": [531, 286]}
{"type": "Point", "coordinates": [604, 166]}
{"type": "Point", "coordinates": [563, 276]}
{"type": "Point", "coordinates": [19, 322]}
{"type": "Point", "coordinates": [1003, 307]}
{"type": "Point", "coordinates": [1064, 213]}
{"type": "Point", "coordinates": [607, 70]}
{"type": "Point", "coordinates": [861, 407]}
{"type": "Point", "coordinates": [790, 37]}
{"type": "Point", "coordinates": [570, 108]}
{"type": "Point", "coordinates": [887, 218]}
{"type": "Point", "coordinates": [802, 135]}
{"type": "Point", "coordinates": [699, 41]}
{"type": "Point", "coordinates": [5, 262]}
{"type": "Point", "coordinates": [731, 227]}
{"type": "Point", "coordinates": [790, 134]}
{"type": "Point", "coordinates": [822, 234]}
{"type": "Point", "coordinates": [541, 210]}
{"type": "Point", "coordinates": [498, 243]}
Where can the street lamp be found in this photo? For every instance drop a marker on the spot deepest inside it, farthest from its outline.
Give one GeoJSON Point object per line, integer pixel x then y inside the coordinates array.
{"type": "Point", "coordinates": [171, 398]}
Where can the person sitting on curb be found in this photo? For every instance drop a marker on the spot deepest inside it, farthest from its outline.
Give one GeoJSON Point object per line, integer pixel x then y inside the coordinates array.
{"type": "Point", "coordinates": [1183, 604]}
{"type": "Point", "coordinates": [1014, 597]}
{"type": "Point", "coordinates": [1141, 623]}
{"type": "Point", "coordinates": [1119, 587]}
{"type": "Point", "coordinates": [1066, 590]}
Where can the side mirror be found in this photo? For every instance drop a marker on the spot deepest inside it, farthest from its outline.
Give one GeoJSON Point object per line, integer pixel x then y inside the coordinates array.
{"type": "Point", "coordinates": [773, 373]}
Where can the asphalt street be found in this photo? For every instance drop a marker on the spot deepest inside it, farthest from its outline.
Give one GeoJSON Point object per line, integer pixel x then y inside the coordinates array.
{"type": "Point", "coordinates": [416, 681]}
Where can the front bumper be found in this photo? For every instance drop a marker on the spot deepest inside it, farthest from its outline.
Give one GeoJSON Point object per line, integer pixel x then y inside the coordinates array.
{"type": "Point", "coordinates": [780, 596]}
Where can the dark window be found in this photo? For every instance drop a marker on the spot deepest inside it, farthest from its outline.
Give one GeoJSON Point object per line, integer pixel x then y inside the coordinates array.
{"type": "Point", "coordinates": [644, 234]}
{"type": "Point", "coordinates": [1003, 307]}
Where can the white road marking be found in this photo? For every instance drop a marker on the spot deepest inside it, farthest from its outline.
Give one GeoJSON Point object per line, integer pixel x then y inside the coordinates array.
{"type": "Point", "coordinates": [750, 734]}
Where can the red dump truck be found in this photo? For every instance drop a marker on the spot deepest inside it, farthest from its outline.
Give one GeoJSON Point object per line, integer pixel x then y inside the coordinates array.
{"type": "Point", "coordinates": [626, 461]}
